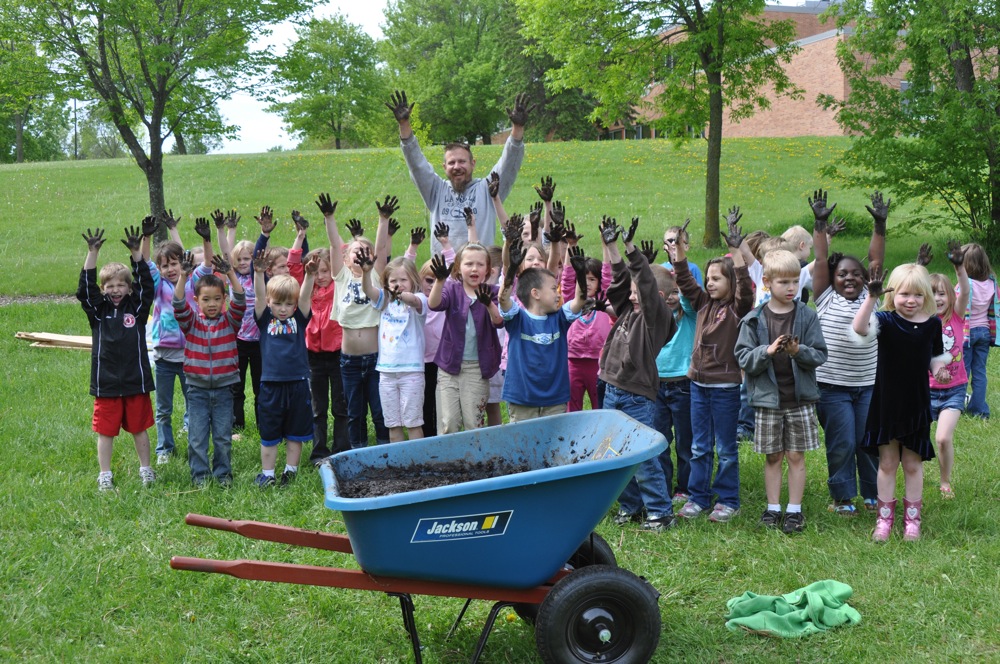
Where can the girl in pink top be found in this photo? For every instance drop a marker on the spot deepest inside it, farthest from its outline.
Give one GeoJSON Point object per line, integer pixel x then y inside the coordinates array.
{"type": "Point", "coordinates": [948, 385]}
{"type": "Point", "coordinates": [587, 334]}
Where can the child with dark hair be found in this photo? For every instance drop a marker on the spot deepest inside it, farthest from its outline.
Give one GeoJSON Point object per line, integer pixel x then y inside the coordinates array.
{"type": "Point", "coordinates": [980, 325]}
{"type": "Point", "coordinates": [117, 303]}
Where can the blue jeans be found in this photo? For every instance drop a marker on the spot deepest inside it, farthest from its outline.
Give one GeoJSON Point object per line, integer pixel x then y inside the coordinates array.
{"type": "Point", "coordinates": [747, 422]}
{"type": "Point", "coordinates": [672, 418]}
{"type": "Point", "coordinates": [361, 393]}
{"type": "Point", "coordinates": [715, 410]}
{"type": "Point", "coordinates": [975, 352]}
{"type": "Point", "coordinates": [842, 413]}
{"type": "Point", "coordinates": [166, 372]}
{"type": "Point", "coordinates": [649, 486]}
{"type": "Point", "coordinates": [211, 413]}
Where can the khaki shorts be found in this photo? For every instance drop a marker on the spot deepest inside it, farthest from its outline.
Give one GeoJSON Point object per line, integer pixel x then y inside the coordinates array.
{"type": "Point", "coordinates": [786, 430]}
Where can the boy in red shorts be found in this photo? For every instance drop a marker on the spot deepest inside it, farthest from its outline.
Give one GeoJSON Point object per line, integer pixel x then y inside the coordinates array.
{"type": "Point", "coordinates": [117, 303]}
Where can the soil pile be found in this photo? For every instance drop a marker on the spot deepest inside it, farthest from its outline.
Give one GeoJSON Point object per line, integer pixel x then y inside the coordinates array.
{"type": "Point", "coordinates": [388, 481]}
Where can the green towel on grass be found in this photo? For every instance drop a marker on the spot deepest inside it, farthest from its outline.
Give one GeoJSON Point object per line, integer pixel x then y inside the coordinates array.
{"type": "Point", "coordinates": [815, 608]}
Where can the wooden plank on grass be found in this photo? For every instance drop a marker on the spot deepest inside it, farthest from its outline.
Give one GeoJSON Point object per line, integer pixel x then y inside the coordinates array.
{"type": "Point", "coordinates": [61, 340]}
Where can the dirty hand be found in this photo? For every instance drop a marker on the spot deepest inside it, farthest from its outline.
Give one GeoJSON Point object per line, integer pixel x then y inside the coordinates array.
{"type": "Point", "coordinates": [441, 230]}
{"type": "Point", "coordinates": [312, 265]}
{"type": "Point", "coordinates": [232, 219]}
{"type": "Point", "coordinates": [94, 238]}
{"type": "Point", "coordinates": [169, 220]}
{"type": "Point", "coordinates": [187, 263]}
{"type": "Point", "coordinates": [558, 213]}
{"type": "Point", "coordinates": [647, 249]}
{"type": "Point", "coordinates": [470, 217]}
{"type": "Point", "coordinates": [925, 255]}
{"type": "Point", "coordinates": [484, 294]}
{"type": "Point", "coordinates": [301, 224]}
{"type": "Point", "coordinates": [519, 114]}
{"type": "Point", "coordinates": [820, 211]}
{"type": "Point", "coordinates": [956, 254]}
{"type": "Point", "coordinates": [202, 228]}
{"type": "Point", "coordinates": [221, 265]}
{"type": "Point", "coordinates": [417, 235]}
{"type": "Point", "coordinates": [149, 225]}
{"type": "Point", "coordinates": [547, 189]}
{"type": "Point", "coordinates": [879, 211]}
{"type": "Point", "coordinates": [219, 218]}
{"type": "Point", "coordinates": [133, 238]}
{"type": "Point", "coordinates": [353, 227]}
{"type": "Point", "coordinates": [875, 283]}
{"type": "Point", "coordinates": [260, 261]}
{"type": "Point", "coordinates": [835, 226]}
{"type": "Point", "coordinates": [397, 104]}
{"type": "Point", "coordinates": [388, 207]}
{"type": "Point", "coordinates": [364, 259]}
{"type": "Point", "coordinates": [609, 229]}
{"type": "Point", "coordinates": [515, 256]}
{"type": "Point", "coordinates": [439, 268]}
{"type": "Point", "coordinates": [571, 235]}
{"type": "Point", "coordinates": [326, 206]}
{"type": "Point", "coordinates": [493, 184]}
{"type": "Point", "coordinates": [266, 220]}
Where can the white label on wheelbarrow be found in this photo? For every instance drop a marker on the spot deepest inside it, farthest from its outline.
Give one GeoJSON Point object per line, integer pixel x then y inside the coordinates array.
{"type": "Point", "coordinates": [469, 526]}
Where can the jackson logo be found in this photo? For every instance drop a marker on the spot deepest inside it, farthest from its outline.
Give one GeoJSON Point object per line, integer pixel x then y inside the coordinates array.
{"type": "Point", "coordinates": [128, 320]}
{"type": "Point", "coordinates": [468, 526]}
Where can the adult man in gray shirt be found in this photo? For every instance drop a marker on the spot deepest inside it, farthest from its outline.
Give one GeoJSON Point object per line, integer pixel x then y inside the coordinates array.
{"type": "Point", "coordinates": [446, 198]}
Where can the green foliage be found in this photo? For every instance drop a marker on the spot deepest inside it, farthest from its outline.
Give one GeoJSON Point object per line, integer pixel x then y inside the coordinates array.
{"type": "Point", "coordinates": [45, 124]}
{"type": "Point", "coordinates": [936, 141]}
{"type": "Point", "coordinates": [331, 84]}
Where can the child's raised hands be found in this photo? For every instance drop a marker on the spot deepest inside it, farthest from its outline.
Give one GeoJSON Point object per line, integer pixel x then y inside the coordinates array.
{"type": "Point", "coordinates": [956, 254]}
{"type": "Point", "coordinates": [578, 261]}
{"type": "Point", "coordinates": [835, 226]}
{"type": "Point", "coordinates": [94, 238]}
{"type": "Point", "coordinates": [439, 267]}
{"type": "Point", "coordinates": [187, 263]}
{"type": "Point", "coordinates": [736, 235]}
{"type": "Point", "coordinates": [395, 294]}
{"type": "Point", "coordinates": [571, 234]}
{"type": "Point", "coordinates": [484, 294]}
{"type": "Point", "coordinates": [630, 233]}
{"type": "Point", "coordinates": [547, 190]}
{"type": "Point", "coordinates": [326, 206]}
{"type": "Point", "coordinates": [558, 213]}
{"type": "Point", "coordinates": [556, 234]}
{"type": "Point", "coordinates": [512, 231]}
{"type": "Point", "coordinates": [232, 219]}
{"type": "Point", "coordinates": [440, 230]}
{"type": "Point", "coordinates": [515, 256]}
{"type": "Point", "coordinates": [470, 217]}
{"type": "Point", "coordinates": [388, 207]}
{"type": "Point", "coordinates": [648, 249]}
{"type": "Point", "coordinates": [266, 220]}
{"type": "Point", "coordinates": [879, 211]}
{"type": "Point", "coordinates": [820, 211]}
{"type": "Point", "coordinates": [169, 220]}
{"type": "Point", "coordinates": [610, 230]}
{"type": "Point", "coordinates": [535, 213]}
{"type": "Point", "coordinates": [925, 255]}
{"type": "Point", "coordinates": [493, 184]}
{"type": "Point", "coordinates": [219, 218]}
{"type": "Point", "coordinates": [417, 235]}
{"type": "Point", "coordinates": [364, 259]}
{"type": "Point", "coordinates": [133, 238]}
{"type": "Point", "coordinates": [260, 261]}
{"type": "Point", "coordinates": [598, 303]}
{"type": "Point", "coordinates": [202, 228]}
{"type": "Point", "coordinates": [353, 227]}
{"type": "Point", "coordinates": [301, 223]}
{"type": "Point", "coordinates": [149, 225]}
{"type": "Point", "coordinates": [221, 265]}
{"type": "Point", "coordinates": [875, 283]}
{"type": "Point", "coordinates": [393, 226]}
{"type": "Point", "coordinates": [312, 265]}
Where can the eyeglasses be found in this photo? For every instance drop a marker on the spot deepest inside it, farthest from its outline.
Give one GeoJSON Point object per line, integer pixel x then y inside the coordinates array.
{"type": "Point", "coordinates": [670, 240]}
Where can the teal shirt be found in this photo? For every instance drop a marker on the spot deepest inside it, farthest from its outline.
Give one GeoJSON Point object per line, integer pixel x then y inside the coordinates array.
{"type": "Point", "coordinates": [675, 357]}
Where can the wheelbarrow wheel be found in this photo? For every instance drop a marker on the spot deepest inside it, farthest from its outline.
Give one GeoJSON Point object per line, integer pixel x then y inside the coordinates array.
{"type": "Point", "coordinates": [594, 551]}
{"type": "Point", "coordinates": [598, 614]}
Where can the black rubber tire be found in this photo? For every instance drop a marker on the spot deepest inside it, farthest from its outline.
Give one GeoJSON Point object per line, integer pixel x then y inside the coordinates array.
{"type": "Point", "coordinates": [594, 551]}
{"type": "Point", "coordinates": [598, 614]}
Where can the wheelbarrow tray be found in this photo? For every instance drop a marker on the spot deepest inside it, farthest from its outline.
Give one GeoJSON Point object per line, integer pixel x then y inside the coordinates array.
{"type": "Point", "coordinates": [511, 531]}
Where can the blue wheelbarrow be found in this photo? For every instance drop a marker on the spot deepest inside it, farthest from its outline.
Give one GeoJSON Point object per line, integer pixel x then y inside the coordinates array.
{"type": "Point", "coordinates": [522, 540]}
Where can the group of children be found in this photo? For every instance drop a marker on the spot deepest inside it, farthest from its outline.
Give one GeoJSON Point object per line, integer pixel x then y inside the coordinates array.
{"type": "Point", "coordinates": [536, 323]}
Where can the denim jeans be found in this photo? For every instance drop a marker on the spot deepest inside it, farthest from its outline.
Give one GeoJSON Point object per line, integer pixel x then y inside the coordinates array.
{"type": "Point", "coordinates": [747, 421]}
{"type": "Point", "coordinates": [166, 372]}
{"type": "Point", "coordinates": [843, 412]}
{"type": "Point", "coordinates": [211, 413]}
{"type": "Point", "coordinates": [649, 486]}
{"type": "Point", "coordinates": [672, 418]}
{"type": "Point", "coordinates": [976, 350]}
{"type": "Point", "coordinates": [327, 389]}
{"type": "Point", "coordinates": [714, 411]}
{"type": "Point", "coordinates": [360, 379]}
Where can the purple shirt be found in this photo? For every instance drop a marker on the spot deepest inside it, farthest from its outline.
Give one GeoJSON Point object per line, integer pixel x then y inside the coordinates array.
{"type": "Point", "coordinates": [457, 305]}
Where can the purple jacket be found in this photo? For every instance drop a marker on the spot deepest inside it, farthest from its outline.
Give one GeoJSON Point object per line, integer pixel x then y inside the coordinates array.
{"type": "Point", "coordinates": [455, 303]}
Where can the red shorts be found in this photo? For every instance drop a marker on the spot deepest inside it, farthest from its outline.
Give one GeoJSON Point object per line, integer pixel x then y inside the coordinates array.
{"type": "Point", "coordinates": [133, 413]}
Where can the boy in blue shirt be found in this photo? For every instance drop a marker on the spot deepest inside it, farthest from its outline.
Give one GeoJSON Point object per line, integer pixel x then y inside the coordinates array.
{"type": "Point", "coordinates": [537, 379]}
{"type": "Point", "coordinates": [282, 310]}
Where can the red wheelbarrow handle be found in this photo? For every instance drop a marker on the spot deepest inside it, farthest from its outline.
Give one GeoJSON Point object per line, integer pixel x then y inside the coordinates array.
{"type": "Point", "coordinates": [270, 532]}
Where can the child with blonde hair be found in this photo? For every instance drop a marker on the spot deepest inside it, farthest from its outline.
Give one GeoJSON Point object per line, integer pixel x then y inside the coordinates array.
{"type": "Point", "coordinates": [948, 396]}
{"type": "Point", "coordinates": [980, 325]}
{"type": "Point", "coordinates": [899, 418]}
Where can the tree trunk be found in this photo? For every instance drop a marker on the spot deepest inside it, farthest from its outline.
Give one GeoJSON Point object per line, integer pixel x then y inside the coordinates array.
{"type": "Point", "coordinates": [336, 142]}
{"type": "Point", "coordinates": [179, 141]}
{"type": "Point", "coordinates": [713, 160]}
{"type": "Point", "coordinates": [19, 137]}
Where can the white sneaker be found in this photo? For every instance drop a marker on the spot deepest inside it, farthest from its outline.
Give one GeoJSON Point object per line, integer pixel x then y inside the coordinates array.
{"type": "Point", "coordinates": [147, 476]}
{"type": "Point", "coordinates": [162, 459]}
{"type": "Point", "coordinates": [104, 482]}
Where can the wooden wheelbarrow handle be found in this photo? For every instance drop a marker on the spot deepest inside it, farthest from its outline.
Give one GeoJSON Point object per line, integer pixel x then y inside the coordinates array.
{"type": "Point", "coordinates": [270, 532]}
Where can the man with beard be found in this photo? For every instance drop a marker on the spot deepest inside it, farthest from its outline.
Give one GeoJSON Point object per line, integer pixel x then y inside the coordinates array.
{"type": "Point", "coordinates": [446, 198]}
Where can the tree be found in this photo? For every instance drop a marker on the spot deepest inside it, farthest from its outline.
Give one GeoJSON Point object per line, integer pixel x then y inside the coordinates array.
{"type": "Point", "coordinates": [458, 59]}
{"type": "Point", "coordinates": [705, 57]}
{"type": "Point", "coordinates": [332, 80]}
{"type": "Point", "coordinates": [163, 64]}
{"type": "Point", "coordinates": [923, 106]}
{"type": "Point", "coordinates": [37, 133]}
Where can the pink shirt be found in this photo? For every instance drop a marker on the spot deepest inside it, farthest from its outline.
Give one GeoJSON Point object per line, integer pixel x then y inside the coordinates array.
{"type": "Point", "coordinates": [979, 303]}
{"type": "Point", "coordinates": [586, 336]}
{"type": "Point", "coordinates": [953, 338]}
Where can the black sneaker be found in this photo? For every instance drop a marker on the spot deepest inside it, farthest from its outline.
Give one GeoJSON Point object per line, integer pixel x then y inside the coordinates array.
{"type": "Point", "coordinates": [659, 524]}
{"type": "Point", "coordinates": [624, 517]}
{"type": "Point", "coordinates": [264, 481]}
{"type": "Point", "coordinates": [287, 478]}
{"type": "Point", "coordinates": [770, 519]}
{"type": "Point", "coordinates": [795, 522]}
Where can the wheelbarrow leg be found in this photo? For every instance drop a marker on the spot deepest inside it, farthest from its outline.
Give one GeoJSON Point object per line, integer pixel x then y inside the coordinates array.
{"type": "Point", "coordinates": [487, 628]}
{"type": "Point", "coordinates": [406, 605]}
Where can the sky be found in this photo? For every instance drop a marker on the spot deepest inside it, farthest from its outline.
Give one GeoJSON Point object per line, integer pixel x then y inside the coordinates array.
{"type": "Point", "coordinates": [260, 130]}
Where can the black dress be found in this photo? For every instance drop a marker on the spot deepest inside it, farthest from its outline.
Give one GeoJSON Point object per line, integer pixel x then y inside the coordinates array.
{"type": "Point", "coordinates": [901, 400]}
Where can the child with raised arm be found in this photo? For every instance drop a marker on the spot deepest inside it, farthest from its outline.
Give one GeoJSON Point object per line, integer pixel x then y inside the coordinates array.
{"type": "Point", "coordinates": [282, 311]}
{"type": "Point", "coordinates": [212, 367]}
{"type": "Point", "coordinates": [117, 303]}
{"type": "Point", "coordinates": [948, 396]}
{"type": "Point", "coordinates": [715, 375]}
{"type": "Point", "coordinates": [324, 338]}
{"type": "Point", "coordinates": [628, 364]}
{"type": "Point", "coordinates": [537, 379]}
{"type": "Point", "coordinates": [899, 419]}
{"type": "Point", "coordinates": [469, 352]}
{"type": "Point", "coordinates": [980, 326]}
{"type": "Point", "coordinates": [358, 319]}
{"type": "Point", "coordinates": [780, 345]}
{"type": "Point", "coordinates": [847, 377]}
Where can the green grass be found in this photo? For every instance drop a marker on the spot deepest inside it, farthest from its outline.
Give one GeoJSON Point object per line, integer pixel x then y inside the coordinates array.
{"type": "Point", "coordinates": [85, 576]}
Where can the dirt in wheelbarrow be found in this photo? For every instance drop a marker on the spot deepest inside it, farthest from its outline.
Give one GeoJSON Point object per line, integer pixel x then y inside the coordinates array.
{"type": "Point", "coordinates": [388, 481]}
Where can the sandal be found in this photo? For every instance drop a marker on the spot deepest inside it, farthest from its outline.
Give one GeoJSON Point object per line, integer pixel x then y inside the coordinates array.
{"type": "Point", "coordinates": [947, 493]}
{"type": "Point", "coordinates": [871, 504]}
{"type": "Point", "coordinates": [843, 508]}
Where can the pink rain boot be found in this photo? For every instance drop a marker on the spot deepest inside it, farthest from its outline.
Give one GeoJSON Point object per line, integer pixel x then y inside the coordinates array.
{"type": "Point", "coordinates": [911, 519]}
{"type": "Point", "coordinates": [886, 512]}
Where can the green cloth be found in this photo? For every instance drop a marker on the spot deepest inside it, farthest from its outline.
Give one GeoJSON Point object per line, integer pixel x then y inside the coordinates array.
{"type": "Point", "coordinates": [815, 608]}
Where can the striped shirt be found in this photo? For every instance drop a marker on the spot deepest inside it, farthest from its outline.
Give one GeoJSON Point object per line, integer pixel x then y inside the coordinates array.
{"type": "Point", "coordinates": [211, 359]}
{"type": "Point", "coordinates": [849, 363]}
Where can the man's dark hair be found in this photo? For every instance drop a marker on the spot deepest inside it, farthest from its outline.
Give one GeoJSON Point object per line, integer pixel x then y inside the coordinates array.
{"type": "Point", "coordinates": [458, 145]}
